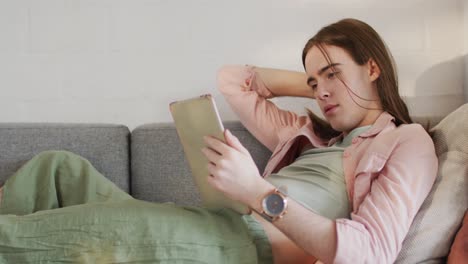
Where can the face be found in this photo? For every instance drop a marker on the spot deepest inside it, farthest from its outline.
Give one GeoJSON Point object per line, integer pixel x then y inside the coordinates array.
{"type": "Point", "coordinates": [344, 108]}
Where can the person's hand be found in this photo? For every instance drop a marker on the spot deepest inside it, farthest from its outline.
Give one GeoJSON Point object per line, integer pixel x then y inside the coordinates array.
{"type": "Point", "coordinates": [232, 169]}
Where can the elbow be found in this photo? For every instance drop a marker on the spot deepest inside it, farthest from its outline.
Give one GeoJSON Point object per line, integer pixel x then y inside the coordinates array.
{"type": "Point", "coordinates": [231, 77]}
{"type": "Point", "coordinates": [223, 76]}
{"type": "Point", "coordinates": [359, 243]}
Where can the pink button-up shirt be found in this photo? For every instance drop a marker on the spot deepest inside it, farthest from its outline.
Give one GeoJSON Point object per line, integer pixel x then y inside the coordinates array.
{"type": "Point", "coordinates": [389, 170]}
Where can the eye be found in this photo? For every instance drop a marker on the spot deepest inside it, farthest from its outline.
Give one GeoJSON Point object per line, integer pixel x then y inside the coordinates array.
{"type": "Point", "coordinates": [314, 86]}
{"type": "Point", "coordinates": [332, 75]}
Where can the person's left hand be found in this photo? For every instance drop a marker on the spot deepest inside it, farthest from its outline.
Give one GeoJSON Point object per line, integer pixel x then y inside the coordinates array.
{"type": "Point", "coordinates": [232, 169]}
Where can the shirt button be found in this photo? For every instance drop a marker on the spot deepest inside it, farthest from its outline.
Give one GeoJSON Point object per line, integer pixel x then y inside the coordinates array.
{"type": "Point", "coordinates": [355, 140]}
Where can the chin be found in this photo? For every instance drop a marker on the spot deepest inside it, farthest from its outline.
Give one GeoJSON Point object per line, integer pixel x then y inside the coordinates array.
{"type": "Point", "coordinates": [337, 127]}
{"type": "Point", "coordinates": [341, 126]}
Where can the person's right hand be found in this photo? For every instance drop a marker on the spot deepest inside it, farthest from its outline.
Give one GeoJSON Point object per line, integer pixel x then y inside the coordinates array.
{"type": "Point", "coordinates": [233, 171]}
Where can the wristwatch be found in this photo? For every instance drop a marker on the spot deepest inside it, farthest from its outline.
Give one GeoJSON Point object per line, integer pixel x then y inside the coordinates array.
{"type": "Point", "coordinates": [274, 205]}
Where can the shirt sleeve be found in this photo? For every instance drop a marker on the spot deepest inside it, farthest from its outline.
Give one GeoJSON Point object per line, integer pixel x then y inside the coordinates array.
{"type": "Point", "coordinates": [378, 227]}
{"type": "Point", "coordinates": [248, 97]}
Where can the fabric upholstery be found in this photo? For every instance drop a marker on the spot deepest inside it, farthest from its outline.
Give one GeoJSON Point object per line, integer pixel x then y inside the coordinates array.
{"type": "Point", "coordinates": [434, 227]}
{"type": "Point", "coordinates": [106, 146]}
{"type": "Point", "coordinates": [160, 172]}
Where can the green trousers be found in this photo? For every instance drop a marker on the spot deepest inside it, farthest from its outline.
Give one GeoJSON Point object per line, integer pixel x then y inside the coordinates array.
{"type": "Point", "coordinates": [59, 209]}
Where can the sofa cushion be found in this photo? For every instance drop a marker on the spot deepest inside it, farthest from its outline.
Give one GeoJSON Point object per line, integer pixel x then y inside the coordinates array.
{"type": "Point", "coordinates": [435, 225]}
{"type": "Point", "coordinates": [106, 146]}
{"type": "Point", "coordinates": [160, 172]}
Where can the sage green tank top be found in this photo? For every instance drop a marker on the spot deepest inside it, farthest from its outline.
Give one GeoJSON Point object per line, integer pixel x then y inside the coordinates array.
{"type": "Point", "coordinates": [316, 179]}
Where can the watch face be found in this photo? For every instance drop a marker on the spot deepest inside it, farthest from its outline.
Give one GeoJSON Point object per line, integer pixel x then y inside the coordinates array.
{"type": "Point", "coordinates": [273, 204]}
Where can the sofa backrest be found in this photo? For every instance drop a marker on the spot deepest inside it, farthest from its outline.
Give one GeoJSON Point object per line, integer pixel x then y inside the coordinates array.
{"type": "Point", "coordinates": [106, 146]}
{"type": "Point", "coordinates": [154, 158]}
{"type": "Point", "coordinates": [160, 172]}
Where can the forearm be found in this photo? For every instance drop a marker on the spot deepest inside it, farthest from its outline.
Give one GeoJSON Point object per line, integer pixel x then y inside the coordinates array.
{"type": "Point", "coordinates": [315, 234]}
{"type": "Point", "coordinates": [285, 82]}
{"type": "Point", "coordinates": [235, 173]}
{"type": "Point", "coordinates": [312, 232]}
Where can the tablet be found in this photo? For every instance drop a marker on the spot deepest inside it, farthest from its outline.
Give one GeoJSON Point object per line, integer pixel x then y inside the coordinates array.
{"type": "Point", "coordinates": [195, 118]}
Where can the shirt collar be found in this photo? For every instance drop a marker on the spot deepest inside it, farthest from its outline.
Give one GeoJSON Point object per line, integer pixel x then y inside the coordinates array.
{"type": "Point", "coordinates": [382, 122]}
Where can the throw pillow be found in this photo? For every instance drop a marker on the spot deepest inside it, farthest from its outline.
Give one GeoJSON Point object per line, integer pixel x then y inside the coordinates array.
{"type": "Point", "coordinates": [435, 225]}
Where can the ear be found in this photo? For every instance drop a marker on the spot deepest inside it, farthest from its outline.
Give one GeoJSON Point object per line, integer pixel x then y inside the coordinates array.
{"type": "Point", "coordinates": [373, 70]}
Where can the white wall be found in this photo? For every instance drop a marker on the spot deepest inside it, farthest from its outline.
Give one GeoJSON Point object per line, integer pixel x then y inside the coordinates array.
{"type": "Point", "coordinates": [124, 61]}
{"type": "Point", "coordinates": [465, 34]}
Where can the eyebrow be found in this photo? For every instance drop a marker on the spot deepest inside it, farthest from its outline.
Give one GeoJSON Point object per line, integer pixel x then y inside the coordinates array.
{"type": "Point", "coordinates": [321, 71]}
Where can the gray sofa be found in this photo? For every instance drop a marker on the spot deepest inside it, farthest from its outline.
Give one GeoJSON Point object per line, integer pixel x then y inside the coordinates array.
{"type": "Point", "coordinates": [147, 162]}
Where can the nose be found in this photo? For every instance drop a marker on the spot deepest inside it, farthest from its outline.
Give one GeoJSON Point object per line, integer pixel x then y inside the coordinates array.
{"type": "Point", "coordinates": [322, 92]}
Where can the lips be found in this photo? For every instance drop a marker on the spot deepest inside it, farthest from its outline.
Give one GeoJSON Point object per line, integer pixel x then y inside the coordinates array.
{"type": "Point", "coordinates": [329, 108]}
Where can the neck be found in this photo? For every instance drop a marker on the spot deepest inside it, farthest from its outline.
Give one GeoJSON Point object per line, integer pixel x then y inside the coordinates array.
{"type": "Point", "coordinates": [368, 120]}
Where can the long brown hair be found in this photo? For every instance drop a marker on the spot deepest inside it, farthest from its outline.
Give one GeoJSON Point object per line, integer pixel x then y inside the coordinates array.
{"type": "Point", "coordinates": [362, 43]}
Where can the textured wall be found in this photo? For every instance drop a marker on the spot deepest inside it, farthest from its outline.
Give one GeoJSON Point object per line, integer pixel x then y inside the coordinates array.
{"type": "Point", "coordinates": [465, 34]}
{"type": "Point", "coordinates": [124, 61]}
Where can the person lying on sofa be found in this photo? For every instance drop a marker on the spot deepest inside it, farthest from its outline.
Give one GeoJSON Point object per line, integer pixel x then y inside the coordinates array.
{"type": "Point", "coordinates": [354, 183]}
